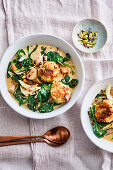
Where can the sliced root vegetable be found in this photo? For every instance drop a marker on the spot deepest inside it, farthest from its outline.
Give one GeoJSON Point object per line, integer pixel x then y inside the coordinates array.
{"type": "Point", "coordinates": [13, 67]}
{"type": "Point", "coordinates": [108, 88]}
{"type": "Point", "coordinates": [25, 81]}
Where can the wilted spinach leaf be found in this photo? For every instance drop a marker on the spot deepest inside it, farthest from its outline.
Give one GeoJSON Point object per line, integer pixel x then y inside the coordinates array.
{"type": "Point", "coordinates": [19, 96]}
{"type": "Point", "coordinates": [43, 94]}
{"type": "Point", "coordinates": [32, 104]}
{"type": "Point", "coordinates": [27, 62]}
{"type": "Point", "coordinates": [17, 77]}
{"type": "Point", "coordinates": [72, 83]}
{"type": "Point", "coordinates": [48, 107]}
{"type": "Point", "coordinates": [54, 56]}
{"type": "Point", "coordinates": [9, 69]}
{"type": "Point", "coordinates": [67, 57]}
{"type": "Point", "coordinates": [100, 95]}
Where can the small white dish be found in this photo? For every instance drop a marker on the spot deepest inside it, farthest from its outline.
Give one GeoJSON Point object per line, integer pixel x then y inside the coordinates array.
{"type": "Point", "coordinates": [40, 39]}
{"type": "Point", "coordinates": [95, 25]}
{"type": "Point", "coordinates": [93, 91]}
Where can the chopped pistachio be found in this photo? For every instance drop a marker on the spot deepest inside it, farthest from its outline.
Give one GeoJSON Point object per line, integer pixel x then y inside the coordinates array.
{"type": "Point", "coordinates": [87, 38]}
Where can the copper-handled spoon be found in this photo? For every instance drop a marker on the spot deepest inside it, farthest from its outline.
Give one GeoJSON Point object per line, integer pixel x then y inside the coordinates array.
{"type": "Point", "coordinates": [29, 141]}
{"type": "Point", "coordinates": [55, 136]}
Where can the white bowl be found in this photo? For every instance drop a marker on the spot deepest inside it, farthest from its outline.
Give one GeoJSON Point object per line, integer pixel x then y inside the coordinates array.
{"type": "Point", "coordinates": [40, 39]}
{"type": "Point", "coordinates": [93, 91]}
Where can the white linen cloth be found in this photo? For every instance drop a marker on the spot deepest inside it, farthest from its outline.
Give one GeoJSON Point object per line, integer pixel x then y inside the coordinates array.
{"type": "Point", "coordinates": [23, 17]}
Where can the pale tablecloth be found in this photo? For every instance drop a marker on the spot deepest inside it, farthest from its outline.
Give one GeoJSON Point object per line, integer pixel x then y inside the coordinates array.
{"type": "Point", "coordinates": [23, 17]}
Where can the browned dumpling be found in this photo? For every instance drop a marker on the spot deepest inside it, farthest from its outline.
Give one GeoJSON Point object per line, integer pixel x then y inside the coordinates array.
{"type": "Point", "coordinates": [104, 111]}
{"type": "Point", "coordinates": [48, 71]}
{"type": "Point", "coordinates": [60, 92]}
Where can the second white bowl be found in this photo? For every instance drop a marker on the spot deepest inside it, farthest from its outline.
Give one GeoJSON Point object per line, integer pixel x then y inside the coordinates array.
{"type": "Point", "coordinates": [93, 91]}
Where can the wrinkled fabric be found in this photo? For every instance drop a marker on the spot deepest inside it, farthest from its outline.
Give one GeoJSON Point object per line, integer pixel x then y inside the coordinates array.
{"type": "Point", "coordinates": [24, 17]}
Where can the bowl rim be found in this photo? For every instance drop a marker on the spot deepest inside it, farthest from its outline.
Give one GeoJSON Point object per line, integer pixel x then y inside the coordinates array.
{"type": "Point", "coordinates": [45, 115]}
{"type": "Point", "coordinates": [89, 52]}
{"type": "Point", "coordinates": [84, 126]}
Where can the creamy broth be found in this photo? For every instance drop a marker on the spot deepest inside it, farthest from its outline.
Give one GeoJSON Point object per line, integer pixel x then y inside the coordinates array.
{"type": "Point", "coordinates": [109, 137]}
{"type": "Point", "coordinates": [34, 55]}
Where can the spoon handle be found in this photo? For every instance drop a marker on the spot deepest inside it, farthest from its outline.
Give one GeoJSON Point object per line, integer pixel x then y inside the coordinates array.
{"type": "Point", "coordinates": [11, 138]}
{"type": "Point", "coordinates": [20, 142]}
